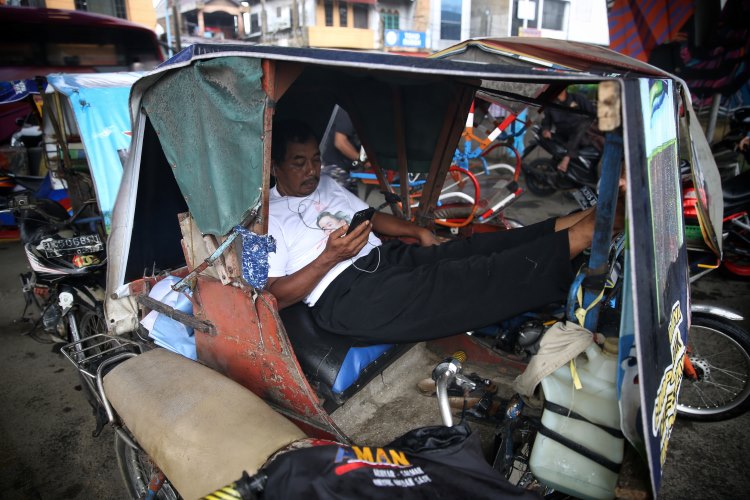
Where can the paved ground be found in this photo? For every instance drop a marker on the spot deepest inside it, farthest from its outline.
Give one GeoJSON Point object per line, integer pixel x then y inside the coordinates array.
{"type": "Point", "coordinates": [47, 451]}
{"type": "Point", "coordinates": [46, 447]}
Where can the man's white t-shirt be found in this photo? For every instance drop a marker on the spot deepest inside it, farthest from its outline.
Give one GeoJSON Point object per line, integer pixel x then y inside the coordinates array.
{"type": "Point", "coordinates": [301, 227]}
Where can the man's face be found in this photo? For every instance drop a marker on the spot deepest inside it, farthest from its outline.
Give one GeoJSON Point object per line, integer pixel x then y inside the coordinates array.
{"type": "Point", "coordinates": [299, 174]}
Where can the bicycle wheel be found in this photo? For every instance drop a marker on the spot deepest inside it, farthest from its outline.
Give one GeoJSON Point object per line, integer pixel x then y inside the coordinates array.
{"type": "Point", "coordinates": [540, 175]}
{"type": "Point", "coordinates": [719, 351]}
{"type": "Point", "coordinates": [137, 469]}
{"type": "Point", "coordinates": [92, 323]}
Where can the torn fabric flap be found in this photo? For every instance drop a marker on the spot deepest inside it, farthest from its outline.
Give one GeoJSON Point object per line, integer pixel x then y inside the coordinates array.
{"type": "Point", "coordinates": [561, 343]}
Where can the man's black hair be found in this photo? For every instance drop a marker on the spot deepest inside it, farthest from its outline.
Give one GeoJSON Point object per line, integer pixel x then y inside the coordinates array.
{"type": "Point", "coordinates": [285, 131]}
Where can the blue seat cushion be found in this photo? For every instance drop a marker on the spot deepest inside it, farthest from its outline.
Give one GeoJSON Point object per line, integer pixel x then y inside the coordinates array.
{"type": "Point", "coordinates": [335, 365]}
{"type": "Point", "coordinates": [356, 360]}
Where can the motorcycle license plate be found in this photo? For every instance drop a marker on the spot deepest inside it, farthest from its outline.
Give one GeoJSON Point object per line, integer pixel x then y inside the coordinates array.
{"type": "Point", "coordinates": [79, 245]}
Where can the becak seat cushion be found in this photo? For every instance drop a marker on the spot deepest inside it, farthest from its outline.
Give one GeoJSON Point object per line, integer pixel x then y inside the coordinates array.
{"type": "Point", "coordinates": [201, 428]}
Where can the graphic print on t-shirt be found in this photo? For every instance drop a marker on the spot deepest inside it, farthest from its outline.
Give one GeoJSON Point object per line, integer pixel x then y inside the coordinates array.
{"type": "Point", "coordinates": [329, 222]}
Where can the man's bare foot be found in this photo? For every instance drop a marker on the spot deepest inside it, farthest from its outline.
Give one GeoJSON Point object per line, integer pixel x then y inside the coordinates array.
{"type": "Point", "coordinates": [563, 165]}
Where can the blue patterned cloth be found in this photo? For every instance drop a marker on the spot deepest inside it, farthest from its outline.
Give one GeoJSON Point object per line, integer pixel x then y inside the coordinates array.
{"type": "Point", "coordinates": [255, 250]}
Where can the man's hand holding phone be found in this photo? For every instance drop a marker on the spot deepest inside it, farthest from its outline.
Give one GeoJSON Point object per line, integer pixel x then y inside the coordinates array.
{"type": "Point", "coordinates": [345, 243]}
{"type": "Point", "coordinates": [360, 217]}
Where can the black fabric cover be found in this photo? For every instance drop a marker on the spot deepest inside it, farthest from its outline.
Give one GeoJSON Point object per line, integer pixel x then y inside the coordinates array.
{"type": "Point", "coordinates": [430, 463]}
{"type": "Point", "coordinates": [736, 193]}
{"type": "Point", "coordinates": [321, 354]}
{"type": "Point", "coordinates": [318, 352]}
{"type": "Point", "coordinates": [155, 242]}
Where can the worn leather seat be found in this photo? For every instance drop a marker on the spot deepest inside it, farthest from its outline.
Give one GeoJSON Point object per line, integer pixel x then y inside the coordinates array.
{"type": "Point", "coordinates": [201, 428]}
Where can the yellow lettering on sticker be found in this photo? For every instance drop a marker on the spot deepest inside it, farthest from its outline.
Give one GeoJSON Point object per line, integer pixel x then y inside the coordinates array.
{"type": "Point", "coordinates": [381, 457]}
{"type": "Point", "coordinates": [364, 453]}
{"type": "Point", "coordinates": [398, 458]}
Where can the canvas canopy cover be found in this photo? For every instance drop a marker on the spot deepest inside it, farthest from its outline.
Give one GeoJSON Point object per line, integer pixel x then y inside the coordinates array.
{"type": "Point", "coordinates": [98, 104]}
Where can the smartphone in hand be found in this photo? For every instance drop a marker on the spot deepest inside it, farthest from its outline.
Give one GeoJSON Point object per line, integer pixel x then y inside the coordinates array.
{"type": "Point", "coordinates": [360, 217]}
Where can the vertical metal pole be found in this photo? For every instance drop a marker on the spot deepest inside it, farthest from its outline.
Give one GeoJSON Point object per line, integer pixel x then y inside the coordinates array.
{"type": "Point", "coordinates": [295, 23]}
{"type": "Point", "coordinates": [169, 28]}
{"type": "Point", "coordinates": [177, 24]}
{"type": "Point", "coordinates": [263, 21]}
{"type": "Point", "coordinates": [605, 214]}
{"type": "Point", "coordinates": [715, 104]}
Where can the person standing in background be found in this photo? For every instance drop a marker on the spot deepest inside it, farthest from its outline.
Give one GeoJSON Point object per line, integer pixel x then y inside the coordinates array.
{"type": "Point", "coordinates": [571, 123]}
{"type": "Point", "coordinates": [340, 149]}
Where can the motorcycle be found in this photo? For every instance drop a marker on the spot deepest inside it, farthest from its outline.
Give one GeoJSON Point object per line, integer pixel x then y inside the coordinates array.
{"type": "Point", "coordinates": [725, 150]}
{"type": "Point", "coordinates": [67, 258]}
{"type": "Point", "coordinates": [736, 229]}
{"type": "Point", "coordinates": [328, 386]}
{"type": "Point", "coordinates": [717, 371]}
{"type": "Point", "coordinates": [66, 283]}
{"type": "Point", "coordinates": [541, 174]}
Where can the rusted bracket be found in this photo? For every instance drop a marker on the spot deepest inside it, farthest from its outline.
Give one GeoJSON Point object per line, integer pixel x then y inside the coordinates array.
{"type": "Point", "coordinates": [185, 282]}
{"type": "Point", "coordinates": [179, 316]}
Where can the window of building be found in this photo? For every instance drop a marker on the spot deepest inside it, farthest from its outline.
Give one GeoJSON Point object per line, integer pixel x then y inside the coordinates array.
{"type": "Point", "coordinates": [114, 8]}
{"type": "Point", "coordinates": [254, 23]}
{"type": "Point", "coordinates": [120, 10]}
{"type": "Point", "coordinates": [360, 16]}
{"type": "Point", "coordinates": [26, 3]}
{"type": "Point", "coordinates": [553, 14]}
{"type": "Point", "coordinates": [328, 8]}
{"type": "Point", "coordinates": [390, 19]}
{"type": "Point", "coordinates": [549, 14]}
{"type": "Point", "coordinates": [450, 19]}
{"type": "Point", "coordinates": [343, 14]}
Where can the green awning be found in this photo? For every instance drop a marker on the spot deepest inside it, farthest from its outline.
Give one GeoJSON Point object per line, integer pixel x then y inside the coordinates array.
{"type": "Point", "coordinates": [202, 101]}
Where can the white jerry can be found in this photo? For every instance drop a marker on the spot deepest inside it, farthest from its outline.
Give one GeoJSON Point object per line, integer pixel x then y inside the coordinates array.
{"type": "Point", "coordinates": [580, 446]}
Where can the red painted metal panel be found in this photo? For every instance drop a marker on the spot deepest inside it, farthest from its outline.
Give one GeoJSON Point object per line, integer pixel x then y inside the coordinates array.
{"type": "Point", "coordinates": [252, 348]}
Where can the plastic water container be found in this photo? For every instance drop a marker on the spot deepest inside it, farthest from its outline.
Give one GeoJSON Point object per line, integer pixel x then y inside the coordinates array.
{"type": "Point", "coordinates": [557, 465]}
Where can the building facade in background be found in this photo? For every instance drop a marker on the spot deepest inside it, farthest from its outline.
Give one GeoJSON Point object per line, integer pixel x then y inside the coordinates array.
{"type": "Point", "coordinates": [402, 26]}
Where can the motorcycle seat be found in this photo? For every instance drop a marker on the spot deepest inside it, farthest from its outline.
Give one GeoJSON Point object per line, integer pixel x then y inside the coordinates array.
{"type": "Point", "coordinates": [736, 193]}
{"type": "Point", "coordinates": [337, 366]}
{"type": "Point", "coordinates": [201, 428]}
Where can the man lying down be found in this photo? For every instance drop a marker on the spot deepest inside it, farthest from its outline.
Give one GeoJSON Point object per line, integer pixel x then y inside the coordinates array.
{"type": "Point", "coordinates": [395, 292]}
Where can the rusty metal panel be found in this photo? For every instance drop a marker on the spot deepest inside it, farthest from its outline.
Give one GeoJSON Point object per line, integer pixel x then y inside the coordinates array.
{"type": "Point", "coordinates": [252, 348]}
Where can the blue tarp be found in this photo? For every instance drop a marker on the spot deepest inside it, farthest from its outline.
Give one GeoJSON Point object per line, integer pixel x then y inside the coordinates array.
{"type": "Point", "coordinates": [100, 105]}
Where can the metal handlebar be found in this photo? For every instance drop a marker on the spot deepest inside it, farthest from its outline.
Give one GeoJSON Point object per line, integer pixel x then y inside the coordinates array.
{"type": "Point", "coordinates": [447, 371]}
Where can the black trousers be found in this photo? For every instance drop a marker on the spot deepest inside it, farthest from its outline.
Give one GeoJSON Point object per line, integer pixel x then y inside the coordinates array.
{"type": "Point", "coordinates": [410, 293]}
